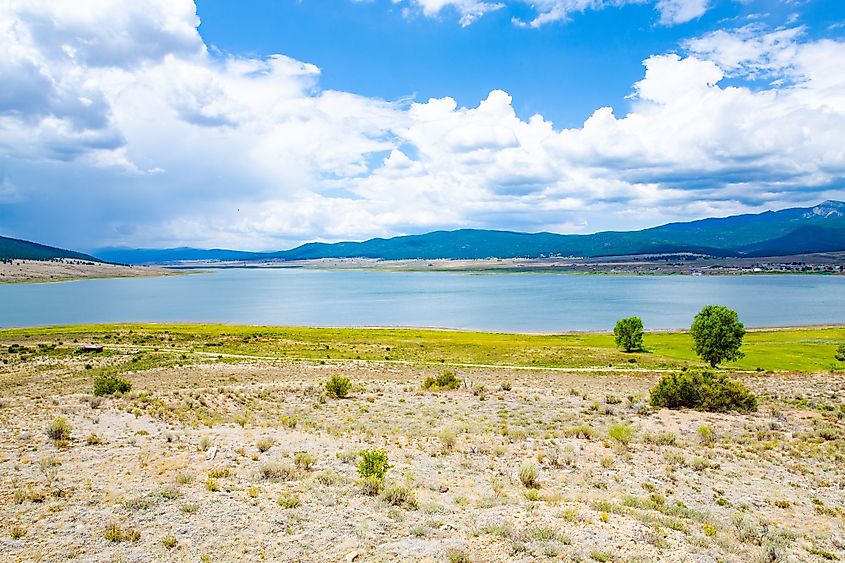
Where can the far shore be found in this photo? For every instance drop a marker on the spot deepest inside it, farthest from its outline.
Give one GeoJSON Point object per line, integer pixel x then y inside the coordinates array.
{"type": "Point", "coordinates": [63, 270]}
{"type": "Point", "coordinates": [645, 264]}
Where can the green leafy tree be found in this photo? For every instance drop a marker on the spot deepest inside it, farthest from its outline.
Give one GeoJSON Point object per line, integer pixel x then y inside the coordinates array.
{"type": "Point", "coordinates": [629, 333]}
{"type": "Point", "coordinates": [840, 353]}
{"type": "Point", "coordinates": [717, 334]}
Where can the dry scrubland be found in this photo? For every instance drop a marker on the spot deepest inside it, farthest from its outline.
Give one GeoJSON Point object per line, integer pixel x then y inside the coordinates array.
{"type": "Point", "coordinates": [220, 459]}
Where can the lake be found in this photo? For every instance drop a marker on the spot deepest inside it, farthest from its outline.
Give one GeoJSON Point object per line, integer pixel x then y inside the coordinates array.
{"type": "Point", "coordinates": [496, 302]}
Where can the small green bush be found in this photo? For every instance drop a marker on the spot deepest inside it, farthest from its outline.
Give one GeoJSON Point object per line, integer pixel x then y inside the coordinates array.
{"type": "Point", "coordinates": [622, 433]}
{"type": "Point", "coordinates": [109, 385]}
{"type": "Point", "coordinates": [528, 474]}
{"type": "Point", "coordinates": [338, 387]}
{"type": "Point", "coordinates": [264, 444]}
{"type": "Point", "coordinates": [278, 472]}
{"type": "Point", "coordinates": [373, 464]}
{"type": "Point", "coordinates": [447, 380]}
{"type": "Point", "coordinates": [116, 534]}
{"type": "Point", "coordinates": [399, 495]}
{"type": "Point", "coordinates": [704, 391]}
{"type": "Point", "coordinates": [59, 430]}
{"type": "Point", "coordinates": [288, 500]}
{"type": "Point", "coordinates": [304, 460]}
{"type": "Point", "coordinates": [840, 353]}
{"type": "Point", "coordinates": [372, 486]}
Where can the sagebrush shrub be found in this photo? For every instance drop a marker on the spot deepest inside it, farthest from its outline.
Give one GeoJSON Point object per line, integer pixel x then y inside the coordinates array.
{"type": "Point", "coordinates": [337, 387]}
{"type": "Point", "coordinates": [399, 495]}
{"type": "Point", "coordinates": [109, 385]}
{"type": "Point", "coordinates": [288, 500]}
{"type": "Point", "coordinates": [528, 474]}
{"type": "Point", "coordinates": [622, 433]}
{"type": "Point", "coordinates": [59, 429]}
{"type": "Point", "coordinates": [446, 380]}
{"type": "Point", "coordinates": [304, 460]}
{"type": "Point", "coordinates": [704, 391]}
{"type": "Point", "coordinates": [277, 472]}
{"type": "Point", "coordinates": [264, 444]}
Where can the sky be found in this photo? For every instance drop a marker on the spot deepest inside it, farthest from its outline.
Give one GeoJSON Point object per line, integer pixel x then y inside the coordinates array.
{"type": "Point", "coordinates": [262, 124]}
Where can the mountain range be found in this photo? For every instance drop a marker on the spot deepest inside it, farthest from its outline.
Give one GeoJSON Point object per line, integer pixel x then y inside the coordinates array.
{"type": "Point", "coordinates": [773, 233]}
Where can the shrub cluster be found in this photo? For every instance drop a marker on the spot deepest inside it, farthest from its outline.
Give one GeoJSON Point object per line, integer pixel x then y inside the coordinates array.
{"type": "Point", "coordinates": [447, 380]}
{"type": "Point", "coordinates": [337, 387]}
{"type": "Point", "coordinates": [109, 385]}
{"type": "Point", "coordinates": [704, 391]}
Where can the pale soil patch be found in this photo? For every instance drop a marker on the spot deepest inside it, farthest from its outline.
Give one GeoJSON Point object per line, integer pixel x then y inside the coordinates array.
{"type": "Point", "coordinates": [18, 271]}
{"type": "Point", "coordinates": [178, 459]}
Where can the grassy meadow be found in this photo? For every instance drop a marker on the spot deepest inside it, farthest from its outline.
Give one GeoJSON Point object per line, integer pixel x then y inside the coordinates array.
{"type": "Point", "coordinates": [780, 350]}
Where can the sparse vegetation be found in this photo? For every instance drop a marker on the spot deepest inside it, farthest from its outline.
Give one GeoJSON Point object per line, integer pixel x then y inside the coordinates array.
{"type": "Point", "coordinates": [278, 472]}
{"type": "Point", "coordinates": [399, 495]}
{"type": "Point", "coordinates": [116, 534]}
{"type": "Point", "coordinates": [208, 438]}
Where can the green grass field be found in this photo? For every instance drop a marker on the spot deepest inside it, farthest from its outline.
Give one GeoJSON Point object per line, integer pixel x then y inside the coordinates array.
{"type": "Point", "coordinates": [793, 350]}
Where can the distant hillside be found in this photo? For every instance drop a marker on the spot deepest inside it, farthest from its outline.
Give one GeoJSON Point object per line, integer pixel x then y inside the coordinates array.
{"type": "Point", "coordinates": [11, 248]}
{"type": "Point", "coordinates": [773, 233]}
{"type": "Point", "coordinates": [816, 229]}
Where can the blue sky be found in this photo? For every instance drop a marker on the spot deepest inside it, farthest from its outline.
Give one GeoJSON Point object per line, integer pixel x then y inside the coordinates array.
{"type": "Point", "coordinates": [260, 125]}
{"type": "Point", "coordinates": [563, 70]}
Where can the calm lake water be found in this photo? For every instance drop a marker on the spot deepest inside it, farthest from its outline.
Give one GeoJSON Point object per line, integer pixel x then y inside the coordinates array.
{"type": "Point", "coordinates": [506, 302]}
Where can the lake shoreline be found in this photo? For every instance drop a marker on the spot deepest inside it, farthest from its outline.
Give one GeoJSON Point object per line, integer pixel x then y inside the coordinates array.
{"type": "Point", "coordinates": [17, 271]}
{"type": "Point", "coordinates": [829, 263]}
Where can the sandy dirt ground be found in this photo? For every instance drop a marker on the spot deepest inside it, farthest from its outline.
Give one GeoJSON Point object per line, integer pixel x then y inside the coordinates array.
{"type": "Point", "coordinates": [237, 460]}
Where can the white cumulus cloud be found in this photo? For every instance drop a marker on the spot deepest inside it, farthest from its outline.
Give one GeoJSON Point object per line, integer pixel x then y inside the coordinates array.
{"type": "Point", "coordinates": [670, 12]}
{"type": "Point", "coordinates": [174, 144]}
